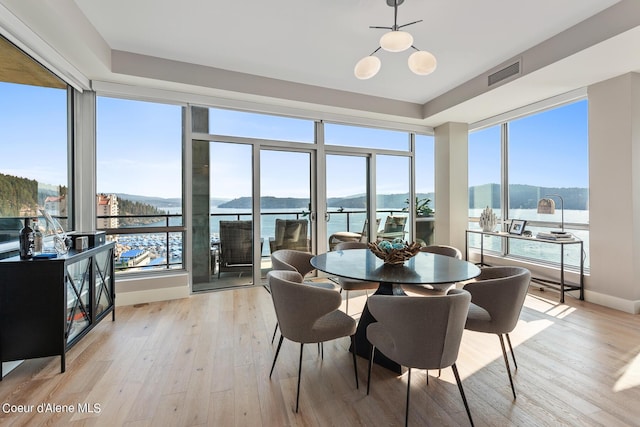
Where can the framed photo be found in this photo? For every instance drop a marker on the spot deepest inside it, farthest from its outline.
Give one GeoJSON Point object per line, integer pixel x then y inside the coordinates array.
{"type": "Point", "coordinates": [517, 226]}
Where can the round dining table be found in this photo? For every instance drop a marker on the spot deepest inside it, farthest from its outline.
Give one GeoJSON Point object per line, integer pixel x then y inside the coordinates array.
{"type": "Point", "coordinates": [434, 271]}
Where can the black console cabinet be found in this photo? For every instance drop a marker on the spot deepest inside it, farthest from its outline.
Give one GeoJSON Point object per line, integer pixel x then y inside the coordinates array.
{"type": "Point", "coordinates": [47, 305]}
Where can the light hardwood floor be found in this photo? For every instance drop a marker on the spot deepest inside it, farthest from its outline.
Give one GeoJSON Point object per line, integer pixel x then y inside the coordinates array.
{"type": "Point", "coordinates": [205, 360]}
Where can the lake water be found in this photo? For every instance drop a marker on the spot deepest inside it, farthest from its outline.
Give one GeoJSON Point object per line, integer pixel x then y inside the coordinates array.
{"type": "Point", "coordinates": [540, 251]}
{"type": "Point", "coordinates": [338, 222]}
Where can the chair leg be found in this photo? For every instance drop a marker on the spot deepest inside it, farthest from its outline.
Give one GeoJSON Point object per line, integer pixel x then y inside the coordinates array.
{"type": "Point", "coordinates": [274, 333]}
{"type": "Point", "coordinates": [373, 352]}
{"type": "Point", "coordinates": [299, 375]}
{"type": "Point", "coordinates": [355, 363]}
{"type": "Point", "coordinates": [276, 356]}
{"type": "Point", "coordinates": [506, 363]}
{"type": "Point", "coordinates": [406, 410]}
{"type": "Point", "coordinates": [513, 355]}
{"type": "Point", "coordinates": [464, 398]}
{"type": "Point", "coordinates": [347, 309]}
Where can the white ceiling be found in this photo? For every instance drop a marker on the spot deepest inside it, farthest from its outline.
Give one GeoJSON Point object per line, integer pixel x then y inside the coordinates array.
{"type": "Point", "coordinates": [317, 43]}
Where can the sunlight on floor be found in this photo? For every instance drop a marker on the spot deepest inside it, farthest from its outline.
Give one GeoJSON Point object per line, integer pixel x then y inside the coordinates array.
{"type": "Point", "coordinates": [548, 306]}
{"type": "Point", "coordinates": [630, 376]}
{"type": "Point", "coordinates": [484, 352]}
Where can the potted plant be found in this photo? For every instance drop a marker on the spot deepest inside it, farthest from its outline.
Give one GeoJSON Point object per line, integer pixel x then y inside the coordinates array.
{"type": "Point", "coordinates": [422, 207]}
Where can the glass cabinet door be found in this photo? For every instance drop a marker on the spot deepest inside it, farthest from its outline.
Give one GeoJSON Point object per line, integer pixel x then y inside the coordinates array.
{"type": "Point", "coordinates": [104, 282]}
{"type": "Point", "coordinates": [78, 281]}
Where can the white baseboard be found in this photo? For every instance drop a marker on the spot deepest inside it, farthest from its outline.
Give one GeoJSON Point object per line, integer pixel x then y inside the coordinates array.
{"type": "Point", "coordinates": [628, 306]}
{"type": "Point", "coordinates": [152, 295]}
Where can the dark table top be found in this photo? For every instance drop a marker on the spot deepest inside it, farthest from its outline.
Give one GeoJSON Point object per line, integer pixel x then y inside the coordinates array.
{"type": "Point", "coordinates": [424, 268]}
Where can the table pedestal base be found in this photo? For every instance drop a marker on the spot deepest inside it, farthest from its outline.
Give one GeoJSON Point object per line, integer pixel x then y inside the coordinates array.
{"type": "Point", "coordinates": [363, 345]}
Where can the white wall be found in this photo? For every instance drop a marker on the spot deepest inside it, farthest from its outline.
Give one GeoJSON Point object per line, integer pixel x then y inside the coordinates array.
{"type": "Point", "coordinates": [451, 183]}
{"type": "Point", "coordinates": [614, 192]}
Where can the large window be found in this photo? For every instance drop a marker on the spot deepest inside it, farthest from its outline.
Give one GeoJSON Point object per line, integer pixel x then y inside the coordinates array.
{"type": "Point", "coordinates": [484, 171]}
{"type": "Point", "coordinates": [34, 141]}
{"type": "Point", "coordinates": [139, 182]}
{"type": "Point", "coordinates": [356, 136]}
{"type": "Point", "coordinates": [263, 126]}
{"type": "Point", "coordinates": [485, 180]}
{"type": "Point", "coordinates": [547, 158]}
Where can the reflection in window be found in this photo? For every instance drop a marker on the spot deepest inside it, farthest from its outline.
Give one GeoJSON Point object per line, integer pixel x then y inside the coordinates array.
{"type": "Point", "coordinates": [139, 182]}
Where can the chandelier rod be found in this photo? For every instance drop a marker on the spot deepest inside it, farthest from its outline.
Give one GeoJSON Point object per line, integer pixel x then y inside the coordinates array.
{"type": "Point", "coordinates": [395, 26]}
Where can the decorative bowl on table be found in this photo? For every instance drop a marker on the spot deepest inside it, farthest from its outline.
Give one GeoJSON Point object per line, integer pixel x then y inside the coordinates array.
{"type": "Point", "coordinates": [394, 252]}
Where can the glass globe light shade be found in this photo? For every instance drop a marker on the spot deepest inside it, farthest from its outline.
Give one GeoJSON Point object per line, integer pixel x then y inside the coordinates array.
{"type": "Point", "coordinates": [367, 67]}
{"type": "Point", "coordinates": [422, 62]}
{"type": "Point", "coordinates": [396, 41]}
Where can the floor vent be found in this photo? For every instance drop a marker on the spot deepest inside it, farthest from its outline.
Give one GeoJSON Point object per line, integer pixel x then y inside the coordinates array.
{"type": "Point", "coordinates": [505, 73]}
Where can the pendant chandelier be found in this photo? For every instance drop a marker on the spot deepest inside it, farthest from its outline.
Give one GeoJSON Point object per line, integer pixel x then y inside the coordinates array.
{"type": "Point", "coordinates": [420, 62]}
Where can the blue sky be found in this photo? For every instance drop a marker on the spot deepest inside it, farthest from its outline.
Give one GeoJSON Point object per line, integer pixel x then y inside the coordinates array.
{"type": "Point", "coordinates": [546, 149]}
{"type": "Point", "coordinates": [32, 120]}
{"type": "Point", "coordinates": [139, 149]}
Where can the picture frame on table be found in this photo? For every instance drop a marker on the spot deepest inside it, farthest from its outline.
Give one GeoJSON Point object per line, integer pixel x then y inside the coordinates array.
{"type": "Point", "coordinates": [517, 226]}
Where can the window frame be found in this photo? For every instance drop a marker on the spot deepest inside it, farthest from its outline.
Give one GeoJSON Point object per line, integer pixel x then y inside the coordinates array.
{"type": "Point", "coordinates": [504, 208]}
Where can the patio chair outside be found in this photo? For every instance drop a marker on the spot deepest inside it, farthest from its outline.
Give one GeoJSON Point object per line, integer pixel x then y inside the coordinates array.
{"type": "Point", "coordinates": [351, 236]}
{"type": "Point", "coordinates": [393, 228]}
{"type": "Point", "coordinates": [236, 246]}
{"type": "Point", "coordinates": [290, 234]}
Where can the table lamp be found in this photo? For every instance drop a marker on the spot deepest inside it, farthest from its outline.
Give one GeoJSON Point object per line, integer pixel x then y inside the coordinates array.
{"type": "Point", "coordinates": [548, 206]}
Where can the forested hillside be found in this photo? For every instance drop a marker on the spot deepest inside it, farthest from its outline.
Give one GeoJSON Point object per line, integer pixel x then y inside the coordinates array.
{"type": "Point", "coordinates": [128, 207]}
{"type": "Point", "coordinates": [17, 195]}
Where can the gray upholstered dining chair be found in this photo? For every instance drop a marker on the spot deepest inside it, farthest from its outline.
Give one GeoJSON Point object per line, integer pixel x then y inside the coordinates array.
{"type": "Point", "coordinates": [354, 284]}
{"type": "Point", "coordinates": [497, 297]}
{"type": "Point", "coordinates": [299, 261]}
{"type": "Point", "coordinates": [307, 314]}
{"type": "Point", "coordinates": [292, 260]}
{"type": "Point", "coordinates": [419, 332]}
{"type": "Point", "coordinates": [428, 290]}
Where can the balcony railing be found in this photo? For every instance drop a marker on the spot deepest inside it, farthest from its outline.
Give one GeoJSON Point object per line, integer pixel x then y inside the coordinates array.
{"type": "Point", "coordinates": [146, 242]}
{"type": "Point", "coordinates": [161, 235]}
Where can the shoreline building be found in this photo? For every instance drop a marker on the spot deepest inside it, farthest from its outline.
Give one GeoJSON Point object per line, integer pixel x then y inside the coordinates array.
{"type": "Point", "coordinates": [107, 205]}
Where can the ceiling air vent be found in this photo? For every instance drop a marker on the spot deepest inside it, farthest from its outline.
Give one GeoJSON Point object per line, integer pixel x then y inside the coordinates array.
{"type": "Point", "coordinates": [504, 73]}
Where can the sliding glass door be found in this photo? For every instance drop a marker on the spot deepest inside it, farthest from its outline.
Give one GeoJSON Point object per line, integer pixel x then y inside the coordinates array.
{"type": "Point", "coordinates": [286, 214]}
{"type": "Point", "coordinates": [222, 215]}
{"type": "Point", "coordinates": [392, 197]}
{"type": "Point", "coordinates": [347, 199]}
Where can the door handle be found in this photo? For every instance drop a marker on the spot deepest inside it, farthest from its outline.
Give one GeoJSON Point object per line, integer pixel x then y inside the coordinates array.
{"type": "Point", "coordinates": [327, 217]}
